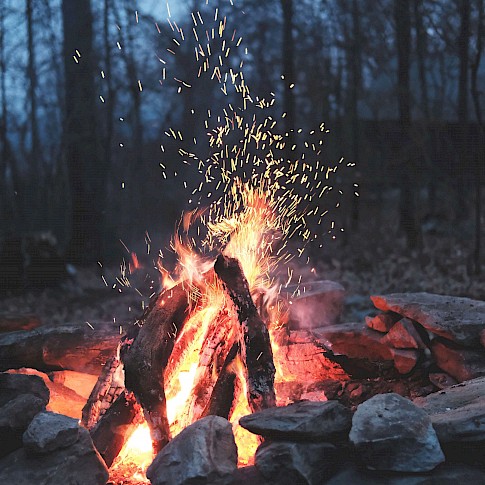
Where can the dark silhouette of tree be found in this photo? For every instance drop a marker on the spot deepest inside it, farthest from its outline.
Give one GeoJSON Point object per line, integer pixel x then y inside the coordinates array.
{"type": "Point", "coordinates": [288, 73]}
{"type": "Point", "coordinates": [87, 171]}
{"type": "Point", "coordinates": [408, 223]}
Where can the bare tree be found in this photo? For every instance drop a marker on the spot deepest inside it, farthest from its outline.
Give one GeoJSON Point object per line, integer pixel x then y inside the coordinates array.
{"type": "Point", "coordinates": [87, 172]}
{"type": "Point", "coordinates": [408, 221]}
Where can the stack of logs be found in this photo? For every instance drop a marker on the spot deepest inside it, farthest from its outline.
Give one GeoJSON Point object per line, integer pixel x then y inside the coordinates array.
{"type": "Point", "coordinates": [147, 353]}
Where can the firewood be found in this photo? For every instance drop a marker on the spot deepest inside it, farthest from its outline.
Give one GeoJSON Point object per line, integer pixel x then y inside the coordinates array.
{"type": "Point", "coordinates": [222, 396]}
{"type": "Point", "coordinates": [145, 356]}
{"type": "Point", "coordinates": [255, 345]}
{"type": "Point", "coordinates": [114, 428]}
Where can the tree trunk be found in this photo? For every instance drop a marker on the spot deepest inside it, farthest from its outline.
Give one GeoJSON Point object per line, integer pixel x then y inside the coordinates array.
{"type": "Point", "coordinates": [87, 173]}
{"type": "Point", "coordinates": [289, 75]}
{"type": "Point", "coordinates": [474, 68]}
{"type": "Point", "coordinates": [4, 201]}
{"type": "Point", "coordinates": [408, 221]}
{"type": "Point", "coordinates": [462, 162]}
{"type": "Point", "coordinates": [35, 155]}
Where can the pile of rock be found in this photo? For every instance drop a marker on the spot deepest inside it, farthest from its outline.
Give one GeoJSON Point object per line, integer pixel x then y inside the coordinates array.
{"type": "Point", "coordinates": [42, 447]}
{"type": "Point", "coordinates": [389, 440]}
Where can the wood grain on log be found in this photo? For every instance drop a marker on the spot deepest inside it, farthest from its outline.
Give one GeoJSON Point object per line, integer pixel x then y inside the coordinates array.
{"type": "Point", "coordinates": [255, 346]}
{"type": "Point", "coordinates": [145, 357]}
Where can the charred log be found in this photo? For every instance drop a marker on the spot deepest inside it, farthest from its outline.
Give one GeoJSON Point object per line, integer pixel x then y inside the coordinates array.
{"type": "Point", "coordinates": [255, 345]}
{"type": "Point", "coordinates": [115, 427]}
{"type": "Point", "coordinates": [145, 353]}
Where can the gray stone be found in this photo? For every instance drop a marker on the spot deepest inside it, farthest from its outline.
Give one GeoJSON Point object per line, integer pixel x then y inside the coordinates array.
{"type": "Point", "coordinates": [482, 337]}
{"type": "Point", "coordinates": [203, 453]}
{"type": "Point", "coordinates": [382, 322]}
{"type": "Point", "coordinates": [462, 364]}
{"type": "Point", "coordinates": [454, 318]}
{"type": "Point", "coordinates": [50, 431]}
{"type": "Point", "coordinates": [390, 433]}
{"type": "Point", "coordinates": [13, 385]}
{"type": "Point", "coordinates": [304, 420]}
{"type": "Point", "coordinates": [403, 335]}
{"type": "Point", "coordinates": [78, 464]}
{"type": "Point", "coordinates": [15, 417]}
{"type": "Point", "coordinates": [458, 412]}
{"type": "Point", "coordinates": [289, 463]}
{"type": "Point", "coordinates": [445, 474]}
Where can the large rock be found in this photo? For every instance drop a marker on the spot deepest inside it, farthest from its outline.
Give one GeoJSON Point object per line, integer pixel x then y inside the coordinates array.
{"type": "Point", "coordinates": [315, 304]}
{"type": "Point", "coordinates": [53, 347]}
{"type": "Point", "coordinates": [50, 431]}
{"type": "Point", "coordinates": [445, 474]}
{"type": "Point", "coordinates": [13, 385]}
{"type": "Point", "coordinates": [390, 433]}
{"type": "Point", "coordinates": [405, 360]}
{"type": "Point", "coordinates": [289, 463]}
{"type": "Point", "coordinates": [462, 364]}
{"type": "Point", "coordinates": [203, 453]}
{"type": "Point", "coordinates": [15, 417]}
{"type": "Point", "coordinates": [454, 318]}
{"type": "Point", "coordinates": [457, 413]}
{"type": "Point", "coordinates": [304, 420]}
{"type": "Point", "coordinates": [77, 464]}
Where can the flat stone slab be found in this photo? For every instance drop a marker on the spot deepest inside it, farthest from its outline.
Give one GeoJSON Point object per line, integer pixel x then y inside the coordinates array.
{"type": "Point", "coordinates": [301, 421]}
{"type": "Point", "coordinates": [451, 317]}
{"type": "Point", "coordinates": [390, 433]}
{"type": "Point", "coordinates": [13, 385]}
{"type": "Point", "coordinates": [458, 412]}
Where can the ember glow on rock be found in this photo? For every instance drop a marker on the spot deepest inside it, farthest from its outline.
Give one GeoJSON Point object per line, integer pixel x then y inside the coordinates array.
{"type": "Point", "coordinates": [251, 200]}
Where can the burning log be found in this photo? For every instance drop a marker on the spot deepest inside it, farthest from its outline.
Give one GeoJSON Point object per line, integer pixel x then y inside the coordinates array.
{"type": "Point", "coordinates": [255, 346]}
{"type": "Point", "coordinates": [145, 353]}
{"type": "Point", "coordinates": [114, 428]}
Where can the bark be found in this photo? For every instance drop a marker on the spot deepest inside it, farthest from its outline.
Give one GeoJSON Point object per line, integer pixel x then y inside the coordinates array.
{"type": "Point", "coordinates": [145, 353]}
{"type": "Point", "coordinates": [256, 350]}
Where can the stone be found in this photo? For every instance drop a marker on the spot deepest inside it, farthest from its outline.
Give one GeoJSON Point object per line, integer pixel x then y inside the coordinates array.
{"type": "Point", "coordinates": [441, 380]}
{"type": "Point", "coordinates": [458, 412]}
{"type": "Point", "coordinates": [458, 319]}
{"type": "Point", "coordinates": [445, 474]}
{"type": "Point", "coordinates": [50, 431]}
{"type": "Point", "coordinates": [461, 363]}
{"type": "Point", "coordinates": [403, 335]}
{"type": "Point", "coordinates": [382, 322]}
{"type": "Point", "coordinates": [203, 453]}
{"type": "Point", "coordinates": [13, 385]}
{"type": "Point", "coordinates": [80, 382]}
{"type": "Point", "coordinates": [353, 340]}
{"type": "Point", "coordinates": [249, 474]}
{"type": "Point", "coordinates": [405, 360]}
{"type": "Point", "coordinates": [15, 417]}
{"type": "Point", "coordinates": [79, 463]}
{"type": "Point", "coordinates": [11, 323]}
{"type": "Point", "coordinates": [314, 304]}
{"type": "Point", "coordinates": [54, 347]}
{"type": "Point", "coordinates": [63, 400]}
{"type": "Point", "coordinates": [482, 337]}
{"type": "Point", "coordinates": [390, 433]}
{"type": "Point", "coordinates": [301, 421]}
{"type": "Point", "coordinates": [289, 463]}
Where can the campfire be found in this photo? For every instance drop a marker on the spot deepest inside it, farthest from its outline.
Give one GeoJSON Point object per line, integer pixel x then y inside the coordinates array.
{"type": "Point", "coordinates": [210, 343]}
